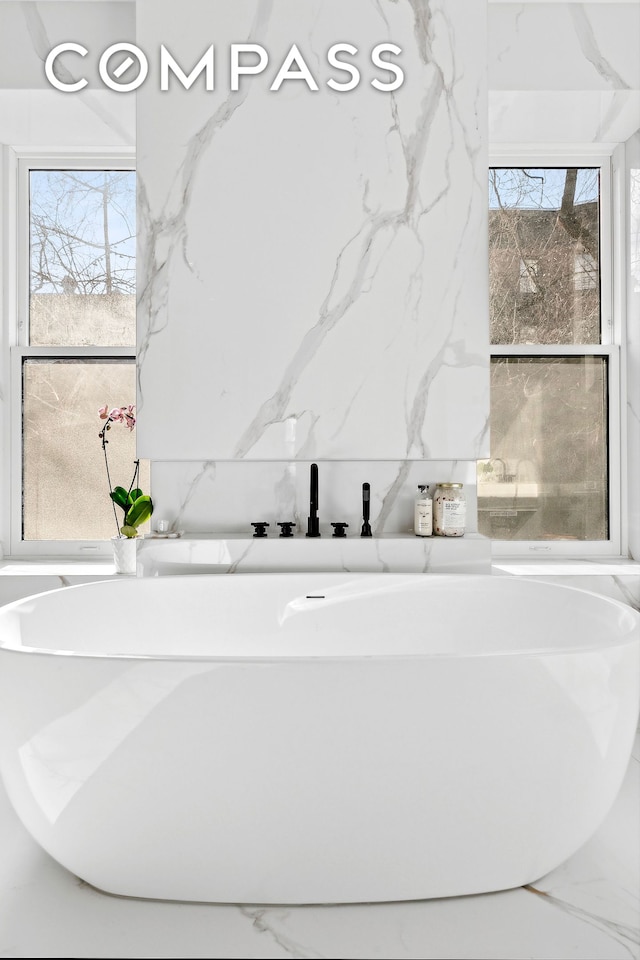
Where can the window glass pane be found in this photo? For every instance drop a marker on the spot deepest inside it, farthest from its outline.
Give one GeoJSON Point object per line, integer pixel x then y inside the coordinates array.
{"type": "Point", "coordinates": [65, 486]}
{"type": "Point", "coordinates": [544, 255]}
{"type": "Point", "coordinates": [547, 478]}
{"type": "Point", "coordinates": [82, 228]}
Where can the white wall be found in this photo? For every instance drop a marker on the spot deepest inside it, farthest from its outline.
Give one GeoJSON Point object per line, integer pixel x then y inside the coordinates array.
{"type": "Point", "coordinates": [206, 494]}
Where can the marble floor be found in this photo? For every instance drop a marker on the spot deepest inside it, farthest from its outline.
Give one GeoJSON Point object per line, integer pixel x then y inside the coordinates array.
{"type": "Point", "coordinates": [587, 909]}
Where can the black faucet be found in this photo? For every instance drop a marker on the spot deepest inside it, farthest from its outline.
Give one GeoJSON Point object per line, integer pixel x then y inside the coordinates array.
{"type": "Point", "coordinates": [313, 524]}
{"type": "Point", "coordinates": [366, 501]}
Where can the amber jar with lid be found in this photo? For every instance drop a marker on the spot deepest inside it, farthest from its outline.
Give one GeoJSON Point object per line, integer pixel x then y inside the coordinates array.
{"type": "Point", "coordinates": [449, 510]}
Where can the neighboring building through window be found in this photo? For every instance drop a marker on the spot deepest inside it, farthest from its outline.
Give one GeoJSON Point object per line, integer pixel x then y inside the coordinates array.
{"type": "Point", "coordinates": [528, 275]}
{"type": "Point", "coordinates": [585, 276]}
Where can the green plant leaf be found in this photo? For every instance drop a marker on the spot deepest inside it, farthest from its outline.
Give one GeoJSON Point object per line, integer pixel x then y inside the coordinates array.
{"type": "Point", "coordinates": [135, 495]}
{"type": "Point", "coordinates": [139, 512]}
{"type": "Point", "coordinates": [128, 531]}
{"type": "Point", "coordinates": [119, 496]}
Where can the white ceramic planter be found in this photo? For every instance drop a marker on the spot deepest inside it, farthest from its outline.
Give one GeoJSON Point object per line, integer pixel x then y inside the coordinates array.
{"type": "Point", "coordinates": [124, 554]}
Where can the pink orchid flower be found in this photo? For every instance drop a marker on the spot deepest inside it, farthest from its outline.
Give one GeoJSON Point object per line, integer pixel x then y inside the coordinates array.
{"type": "Point", "coordinates": [124, 415]}
{"type": "Point", "coordinates": [129, 418]}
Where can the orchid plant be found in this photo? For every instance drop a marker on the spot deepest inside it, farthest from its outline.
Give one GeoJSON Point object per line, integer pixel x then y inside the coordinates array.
{"type": "Point", "coordinates": [136, 506]}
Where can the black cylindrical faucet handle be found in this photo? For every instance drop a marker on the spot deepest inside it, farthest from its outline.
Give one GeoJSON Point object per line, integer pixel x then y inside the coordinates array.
{"type": "Point", "coordinates": [286, 527]}
{"type": "Point", "coordinates": [260, 528]}
{"type": "Point", "coordinates": [366, 507]}
{"type": "Point", "coordinates": [313, 489]}
{"type": "Point", "coordinates": [313, 523]}
{"type": "Point", "coordinates": [339, 528]}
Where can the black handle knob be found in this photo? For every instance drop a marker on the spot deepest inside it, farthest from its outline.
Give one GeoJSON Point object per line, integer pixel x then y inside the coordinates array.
{"type": "Point", "coordinates": [260, 528]}
{"type": "Point", "coordinates": [286, 527]}
{"type": "Point", "coordinates": [339, 528]}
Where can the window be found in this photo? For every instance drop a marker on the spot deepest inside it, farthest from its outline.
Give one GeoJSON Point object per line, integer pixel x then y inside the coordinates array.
{"type": "Point", "coordinates": [552, 482]}
{"type": "Point", "coordinates": [585, 270]}
{"type": "Point", "coordinates": [528, 275]}
{"type": "Point", "coordinates": [74, 351]}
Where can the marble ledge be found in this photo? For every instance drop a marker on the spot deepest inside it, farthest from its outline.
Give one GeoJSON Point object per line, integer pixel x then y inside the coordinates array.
{"type": "Point", "coordinates": [354, 554]}
{"type": "Point", "coordinates": [618, 577]}
{"type": "Point", "coordinates": [71, 571]}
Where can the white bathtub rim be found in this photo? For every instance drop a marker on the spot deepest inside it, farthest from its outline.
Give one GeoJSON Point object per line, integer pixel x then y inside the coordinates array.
{"type": "Point", "coordinates": [629, 639]}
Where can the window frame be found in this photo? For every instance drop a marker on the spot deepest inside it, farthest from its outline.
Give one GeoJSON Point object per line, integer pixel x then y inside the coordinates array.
{"type": "Point", "coordinates": [612, 341]}
{"type": "Point", "coordinates": [17, 264]}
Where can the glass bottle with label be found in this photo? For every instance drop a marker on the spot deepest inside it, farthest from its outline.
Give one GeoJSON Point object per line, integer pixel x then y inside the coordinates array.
{"type": "Point", "coordinates": [449, 510]}
{"type": "Point", "coordinates": [423, 513]}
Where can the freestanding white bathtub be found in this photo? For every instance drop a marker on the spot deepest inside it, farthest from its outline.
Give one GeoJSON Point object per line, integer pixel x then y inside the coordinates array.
{"type": "Point", "coordinates": [315, 738]}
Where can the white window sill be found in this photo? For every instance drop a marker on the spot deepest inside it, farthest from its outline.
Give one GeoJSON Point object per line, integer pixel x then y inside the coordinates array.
{"type": "Point", "coordinates": [571, 566]}
{"type": "Point", "coordinates": [56, 568]}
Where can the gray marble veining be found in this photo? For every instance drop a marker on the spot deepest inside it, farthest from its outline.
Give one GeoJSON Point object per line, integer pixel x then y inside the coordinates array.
{"type": "Point", "coordinates": [42, 44]}
{"type": "Point", "coordinates": [589, 45]}
{"type": "Point", "coordinates": [326, 250]}
{"type": "Point", "coordinates": [625, 934]}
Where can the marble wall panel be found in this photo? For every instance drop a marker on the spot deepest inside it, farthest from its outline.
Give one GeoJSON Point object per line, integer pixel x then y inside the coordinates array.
{"type": "Point", "coordinates": [30, 30]}
{"type": "Point", "coordinates": [312, 264]}
{"type": "Point", "coordinates": [564, 46]}
{"type": "Point", "coordinates": [562, 116]}
{"type": "Point", "coordinates": [563, 72]}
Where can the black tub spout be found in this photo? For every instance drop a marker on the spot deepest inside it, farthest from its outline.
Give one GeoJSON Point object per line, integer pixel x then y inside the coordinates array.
{"type": "Point", "coordinates": [313, 524]}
